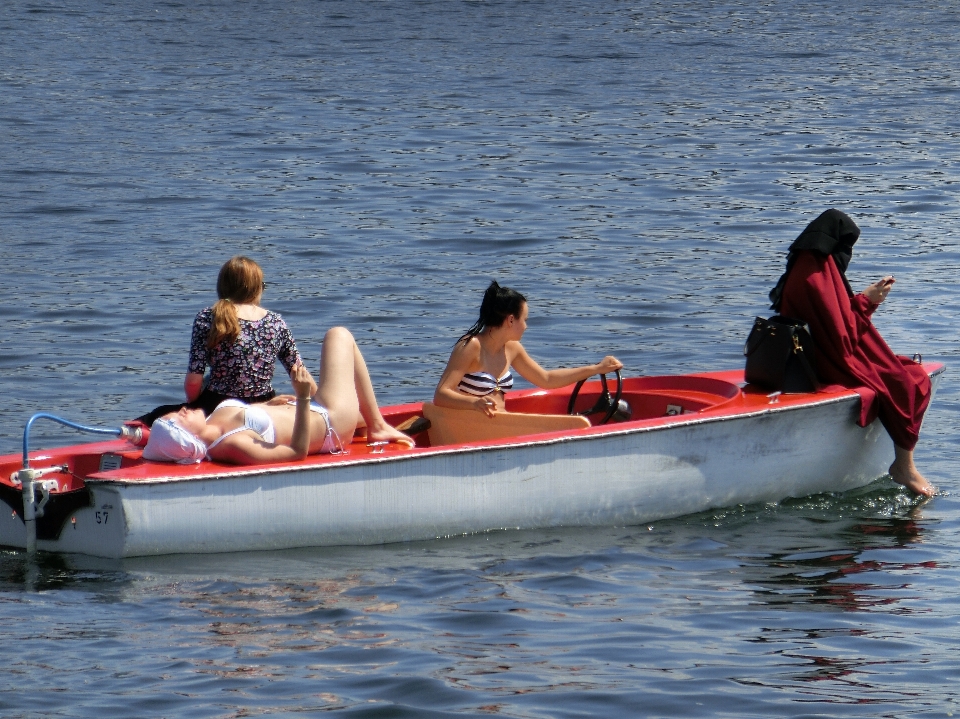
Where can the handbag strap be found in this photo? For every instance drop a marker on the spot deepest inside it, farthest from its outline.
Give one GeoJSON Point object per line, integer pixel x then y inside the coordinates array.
{"type": "Point", "coordinates": [801, 355]}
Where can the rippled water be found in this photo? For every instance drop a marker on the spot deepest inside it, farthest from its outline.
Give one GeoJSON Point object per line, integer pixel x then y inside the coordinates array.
{"type": "Point", "coordinates": [637, 171]}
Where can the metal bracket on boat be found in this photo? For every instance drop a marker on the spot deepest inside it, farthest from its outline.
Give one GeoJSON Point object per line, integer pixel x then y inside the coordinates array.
{"type": "Point", "coordinates": [17, 479]}
{"type": "Point", "coordinates": [45, 487]}
{"type": "Point", "coordinates": [774, 397]}
{"type": "Point", "coordinates": [31, 509]}
{"type": "Point", "coordinates": [377, 447]}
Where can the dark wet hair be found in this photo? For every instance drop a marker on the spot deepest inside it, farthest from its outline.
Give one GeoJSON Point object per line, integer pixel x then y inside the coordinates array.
{"type": "Point", "coordinates": [498, 304]}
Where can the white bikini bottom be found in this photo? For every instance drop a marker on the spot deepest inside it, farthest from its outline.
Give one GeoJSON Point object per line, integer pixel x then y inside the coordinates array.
{"type": "Point", "coordinates": [331, 442]}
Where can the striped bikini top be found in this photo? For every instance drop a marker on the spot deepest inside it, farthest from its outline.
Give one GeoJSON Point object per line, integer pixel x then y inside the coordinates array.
{"type": "Point", "coordinates": [480, 384]}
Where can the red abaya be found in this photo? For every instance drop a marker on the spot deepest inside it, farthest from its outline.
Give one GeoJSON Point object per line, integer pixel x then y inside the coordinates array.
{"type": "Point", "coordinates": [850, 350]}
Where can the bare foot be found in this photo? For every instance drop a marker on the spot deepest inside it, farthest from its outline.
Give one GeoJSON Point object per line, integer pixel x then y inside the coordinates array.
{"type": "Point", "coordinates": [906, 473]}
{"type": "Point", "coordinates": [388, 433]}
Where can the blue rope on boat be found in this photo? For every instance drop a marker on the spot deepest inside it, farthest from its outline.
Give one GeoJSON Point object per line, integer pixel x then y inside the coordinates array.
{"type": "Point", "coordinates": [67, 423]}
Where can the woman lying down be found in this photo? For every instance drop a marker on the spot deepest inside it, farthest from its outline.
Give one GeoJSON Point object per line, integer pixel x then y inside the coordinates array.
{"type": "Point", "coordinates": [285, 428]}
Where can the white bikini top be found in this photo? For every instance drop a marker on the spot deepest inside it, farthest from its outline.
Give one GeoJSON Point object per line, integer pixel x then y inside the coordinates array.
{"type": "Point", "coordinates": [255, 418]}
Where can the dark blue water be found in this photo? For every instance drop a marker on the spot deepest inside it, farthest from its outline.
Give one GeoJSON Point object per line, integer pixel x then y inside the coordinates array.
{"type": "Point", "coordinates": [637, 170]}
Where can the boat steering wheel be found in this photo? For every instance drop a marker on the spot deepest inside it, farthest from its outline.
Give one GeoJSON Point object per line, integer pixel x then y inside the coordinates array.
{"type": "Point", "coordinates": [605, 403]}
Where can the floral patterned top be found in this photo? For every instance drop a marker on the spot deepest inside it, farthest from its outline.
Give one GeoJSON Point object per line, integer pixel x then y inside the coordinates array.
{"type": "Point", "coordinates": [244, 367]}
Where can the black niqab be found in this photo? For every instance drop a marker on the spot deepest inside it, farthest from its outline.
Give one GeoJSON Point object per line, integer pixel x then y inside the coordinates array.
{"type": "Point", "coordinates": [832, 233]}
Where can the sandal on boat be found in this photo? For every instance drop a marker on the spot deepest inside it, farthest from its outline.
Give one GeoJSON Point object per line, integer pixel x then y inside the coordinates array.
{"type": "Point", "coordinates": [414, 425]}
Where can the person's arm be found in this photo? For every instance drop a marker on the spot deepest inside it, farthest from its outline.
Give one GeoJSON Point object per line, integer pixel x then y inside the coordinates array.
{"type": "Point", "coordinates": [464, 356]}
{"type": "Point", "coordinates": [244, 448]}
{"type": "Point", "coordinates": [304, 387]}
{"type": "Point", "coordinates": [197, 363]}
{"type": "Point", "coordinates": [556, 378]}
{"type": "Point", "coordinates": [818, 296]}
{"type": "Point", "coordinates": [287, 351]}
{"type": "Point", "coordinates": [192, 385]}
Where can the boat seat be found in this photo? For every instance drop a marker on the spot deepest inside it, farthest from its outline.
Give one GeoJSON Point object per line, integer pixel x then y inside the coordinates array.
{"type": "Point", "coordinates": [456, 426]}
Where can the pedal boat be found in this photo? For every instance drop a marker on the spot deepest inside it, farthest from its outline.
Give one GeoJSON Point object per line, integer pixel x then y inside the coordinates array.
{"type": "Point", "coordinates": [693, 443]}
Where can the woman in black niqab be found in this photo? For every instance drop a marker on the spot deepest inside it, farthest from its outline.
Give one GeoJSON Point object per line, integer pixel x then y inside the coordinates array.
{"type": "Point", "coordinates": [832, 233]}
{"type": "Point", "coordinates": [850, 350]}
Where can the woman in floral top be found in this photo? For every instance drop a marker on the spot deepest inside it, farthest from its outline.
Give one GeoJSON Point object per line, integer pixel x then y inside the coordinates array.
{"type": "Point", "coordinates": [238, 340]}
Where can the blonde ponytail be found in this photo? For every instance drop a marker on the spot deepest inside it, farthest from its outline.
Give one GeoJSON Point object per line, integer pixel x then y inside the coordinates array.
{"type": "Point", "coordinates": [225, 324]}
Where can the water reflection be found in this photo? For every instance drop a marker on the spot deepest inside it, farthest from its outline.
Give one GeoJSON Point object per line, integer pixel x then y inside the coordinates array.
{"type": "Point", "coordinates": [831, 601]}
{"type": "Point", "coordinates": [831, 579]}
{"type": "Point", "coordinates": [56, 572]}
{"type": "Point", "coordinates": [830, 552]}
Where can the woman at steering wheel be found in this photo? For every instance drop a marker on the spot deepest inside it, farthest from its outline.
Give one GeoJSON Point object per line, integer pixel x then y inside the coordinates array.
{"type": "Point", "coordinates": [478, 372]}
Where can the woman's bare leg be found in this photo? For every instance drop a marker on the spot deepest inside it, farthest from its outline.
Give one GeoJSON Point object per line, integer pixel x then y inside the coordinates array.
{"type": "Point", "coordinates": [905, 472]}
{"type": "Point", "coordinates": [346, 391]}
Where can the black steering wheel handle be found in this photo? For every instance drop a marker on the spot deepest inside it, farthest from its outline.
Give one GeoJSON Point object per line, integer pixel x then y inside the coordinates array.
{"type": "Point", "coordinates": [605, 403]}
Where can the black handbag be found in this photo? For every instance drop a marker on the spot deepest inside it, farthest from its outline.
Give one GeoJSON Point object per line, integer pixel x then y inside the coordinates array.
{"type": "Point", "coordinates": [780, 356]}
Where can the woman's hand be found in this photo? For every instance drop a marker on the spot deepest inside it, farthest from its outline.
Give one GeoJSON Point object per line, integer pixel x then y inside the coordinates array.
{"type": "Point", "coordinates": [609, 364]}
{"type": "Point", "coordinates": [465, 356]}
{"type": "Point", "coordinates": [486, 405]}
{"type": "Point", "coordinates": [878, 291]}
{"type": "Point", "coordinates": [303, 383]}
